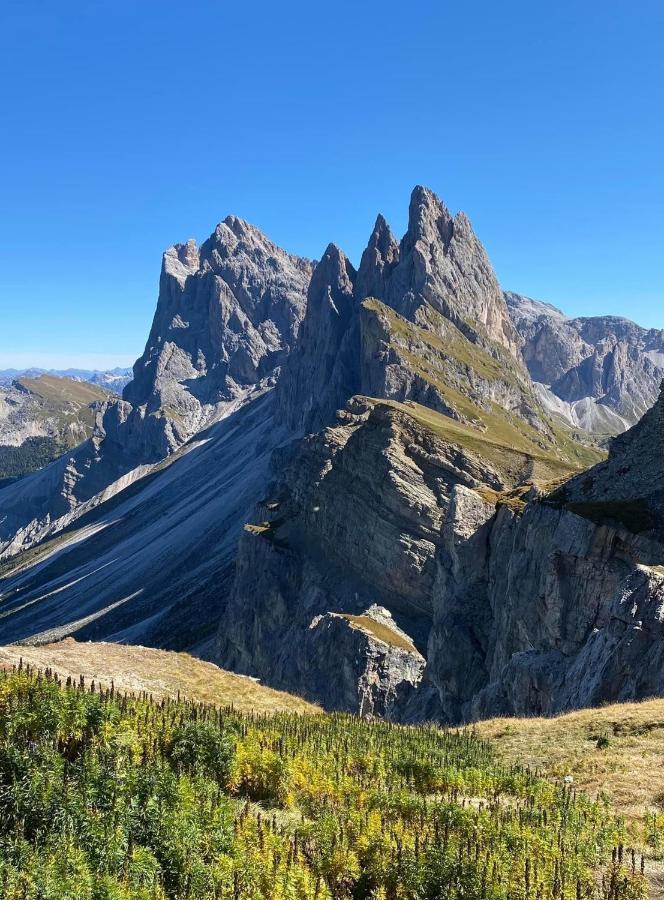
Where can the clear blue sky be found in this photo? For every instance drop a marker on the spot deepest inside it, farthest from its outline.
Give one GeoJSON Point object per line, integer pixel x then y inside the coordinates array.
{"type": "Point", "coordinates": [128, 125]}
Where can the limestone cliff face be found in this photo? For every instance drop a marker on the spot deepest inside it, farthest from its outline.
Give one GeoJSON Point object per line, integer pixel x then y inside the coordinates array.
{"type": "Point", "coordinates": [628, 488]}
{"type": "Point", "coordinates": [521, 601]}
{"type": "Point", "coordinates": [226, 318]}
{"type": "Point", "coordinates": [353, 518]}
{"type": "Point", "coordinates": [517, 602]}
{"type": "Point", "coordinates": [442, 264]}
{"type": "Point", "coordinates": [557, 605]}
{"type": "Point", "coordinates": [323, 370]}
{"type": "Point", "coordinates": [355, 501]}
{"type": "Point", "coordinates": [423, 319]}
{"type": "Point", "coordinates": [600, 374]}
{"type": "Point", "coordinates": [358, 509]}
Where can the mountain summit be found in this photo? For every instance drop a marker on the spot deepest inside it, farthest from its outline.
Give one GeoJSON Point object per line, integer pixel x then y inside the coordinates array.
{"type": "Point", "coordinates": [356, 485]}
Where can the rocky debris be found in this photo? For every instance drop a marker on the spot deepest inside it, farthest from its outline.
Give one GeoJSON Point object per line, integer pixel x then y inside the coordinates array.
{"type": "Point", "coordinates": [151, 558]}
{"type": "Point", "coordinates": [600, 373]}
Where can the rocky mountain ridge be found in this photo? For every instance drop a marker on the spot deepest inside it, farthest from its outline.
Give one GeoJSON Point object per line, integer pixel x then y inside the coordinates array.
{"type": "Point", "coordinates": [42, 416]}
{"type": "Point", "coordinates": [111, 379]}
{"type": "Point", "coordinates": [599, 374]}
{"type": "Point", "coordinates": [225, 317]}
{"type": "Point", "coordinates": [346, 482]}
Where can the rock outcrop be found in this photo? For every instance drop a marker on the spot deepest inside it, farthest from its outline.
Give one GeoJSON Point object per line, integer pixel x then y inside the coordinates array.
{"type": "Point", "coordinates": [442, 265]}
{"type": "Point", "coordinates": [558, 604]}
{"type": "Point", "coordinates": [599, 374]}
{"type": "Point", "coordinates": [423, 319]}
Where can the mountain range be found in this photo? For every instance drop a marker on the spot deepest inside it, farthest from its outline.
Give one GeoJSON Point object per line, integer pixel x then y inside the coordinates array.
{"type": "Point", "coordinates": [386, 489]}
{"type": "Point", "coordinates": [42, 416]}
{"type": "Point", "coordinates": [113, 380]}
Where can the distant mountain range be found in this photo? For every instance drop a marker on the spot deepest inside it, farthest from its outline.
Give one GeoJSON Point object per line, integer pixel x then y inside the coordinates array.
{"type": "Point", "coordinates": [385, 488]}
{"type": "Point", "coordinates": [599, 373]}
{"type": "Point", "coordinates": [111, 379]}
{"type": "Point", "coordinates": [41, 417]}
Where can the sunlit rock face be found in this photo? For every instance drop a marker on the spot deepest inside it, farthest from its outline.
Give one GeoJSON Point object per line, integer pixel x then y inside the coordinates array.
{"type": "Point", "coordinates": [600, 373]}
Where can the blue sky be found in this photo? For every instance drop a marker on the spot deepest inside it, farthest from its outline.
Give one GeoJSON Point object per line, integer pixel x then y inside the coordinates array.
{"type": "Point", "coordinates": [127, 126]}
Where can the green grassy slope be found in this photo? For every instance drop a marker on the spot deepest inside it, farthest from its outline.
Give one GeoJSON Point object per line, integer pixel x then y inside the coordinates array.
{"type": "Point", "coordinates": [464, 375]}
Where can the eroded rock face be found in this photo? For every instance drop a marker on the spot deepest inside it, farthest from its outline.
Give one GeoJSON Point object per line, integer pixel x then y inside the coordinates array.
{"type": "Point", "coordinates": [442, 264]}
{"type": "Point", "coordinates": [226, 318]}
{"type": "Point", "coordinates": [628, 488]}
{"type": "Point", "coordinates": [395, 563]}
{"type": "Point", "coordinates": [600, 374]}
{"type": "Point", "coordinates": [324, 371]}
{"type": "Point", "coordinates": [358, 668]}
{"type": "Point", "coordinates": [559, 605]}
{"type": "Point", "coordinates": [423, 319]}
{"type": "Point", "coordinates": [354, 517]}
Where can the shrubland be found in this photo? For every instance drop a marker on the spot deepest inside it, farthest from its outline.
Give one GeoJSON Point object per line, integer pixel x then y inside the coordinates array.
{"type": "Point", "coordinates": [106, 795]}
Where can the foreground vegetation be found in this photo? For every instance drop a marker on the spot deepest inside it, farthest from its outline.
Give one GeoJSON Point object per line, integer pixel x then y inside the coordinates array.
{"type": "Point", "coordinates": [107, 796]}
{"type": "Point", "coordinates": [614, 751]}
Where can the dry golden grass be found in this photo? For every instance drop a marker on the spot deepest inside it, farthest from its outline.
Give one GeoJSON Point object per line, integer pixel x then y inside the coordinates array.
{"type": "Point", "coordinates": [161, 673]}
{"type": "Point", "coordinates": [382, 632]}
{"type": "Point", "coordinates": [615, 750]}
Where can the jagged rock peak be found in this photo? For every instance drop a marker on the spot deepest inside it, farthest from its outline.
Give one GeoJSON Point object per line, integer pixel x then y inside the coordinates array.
{"type": "Point", "coordinates": [428, 218]}
{"type": "Point", "coordinates": [601, 373]}
{"type": "Point", "coordinates": [378, 259]}
{"type": "Point", "coordinates": [441, 265]}
{"type": "Point", "coordinates": [235, 237]}
{"type": "Point", "coordinates": [323, 370]}
{"type": "Point", "coordinates": [335, 271]}
{"type": "Point", "coordinates": [226, 318]}
{"type": "Point", "coordinates": [181, 260]}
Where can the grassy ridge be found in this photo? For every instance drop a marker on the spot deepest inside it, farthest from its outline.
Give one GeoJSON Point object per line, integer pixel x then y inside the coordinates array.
{"type": "Point", "coordinates": [105, 796]}
{"type": "Point", "coordinates": [444, 358]}
{"type": "Point", "coordinates": [162, 673]}
{"type": "Point", "coordinates": [62, 409]}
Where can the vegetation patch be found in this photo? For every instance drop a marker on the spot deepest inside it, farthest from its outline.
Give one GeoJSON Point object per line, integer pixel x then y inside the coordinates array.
{"type": "Point", "coordinates": [504, 448]}
{"type": "Point", "coordinates": [442, 360]}
{"type": "Point", "coordinates": [381, 631]}
{"type": "Point", "coordinates": [34, 453]}
{"type": "Point", "coordinates": [614, 752]}
{"type": "Point", "coordinates": [108, 796]}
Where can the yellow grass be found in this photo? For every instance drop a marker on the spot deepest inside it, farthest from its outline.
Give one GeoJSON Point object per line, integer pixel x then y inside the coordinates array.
{"type": "Point", "coordinates": [161, 673]}
{"type": "Point", "coordinates": [63, 390]}
{"type": "Point", "coordinates": [383, 632]}
{"type": "Point", "coordinates": [629, 770]}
